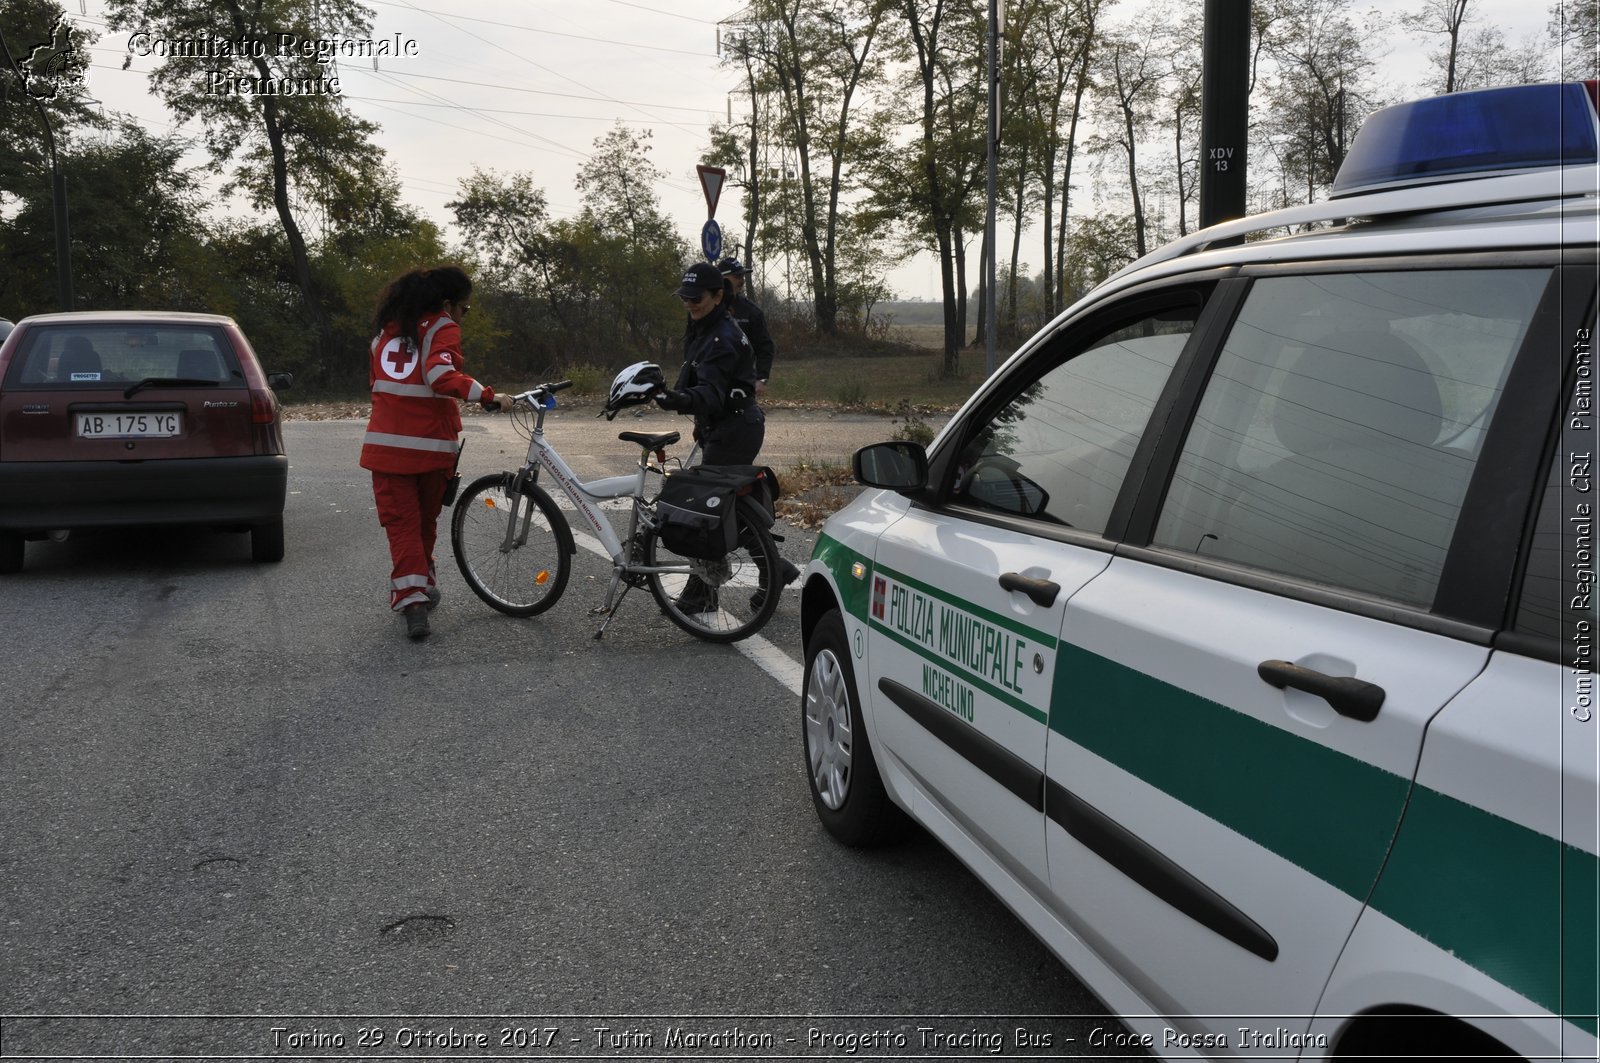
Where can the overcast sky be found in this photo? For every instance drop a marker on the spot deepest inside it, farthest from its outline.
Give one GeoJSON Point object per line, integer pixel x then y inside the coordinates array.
{"type": "Point", "coordinates": [529, 84]}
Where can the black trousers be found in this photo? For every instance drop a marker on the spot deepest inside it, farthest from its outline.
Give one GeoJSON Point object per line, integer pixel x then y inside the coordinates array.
{"type": "Point", "coordinates": [734, 440]}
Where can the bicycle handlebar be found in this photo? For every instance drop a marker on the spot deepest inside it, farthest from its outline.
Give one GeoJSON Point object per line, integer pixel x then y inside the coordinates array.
{"type": "Point", "coordinates": [532, 395]}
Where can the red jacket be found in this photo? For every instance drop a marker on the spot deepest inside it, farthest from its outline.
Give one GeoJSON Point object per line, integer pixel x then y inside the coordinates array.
{"type": "Point", "coordinates": [415, 416]}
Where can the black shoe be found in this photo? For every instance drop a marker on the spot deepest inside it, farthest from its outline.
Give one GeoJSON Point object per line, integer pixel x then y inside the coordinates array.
{"type": "Point", "coordinates": [696, 597]}
{"type": "Point", "coordinates": [788, 573]}
{"type": "Point", "coordinates": [416, 616]}
{"type": "Point", "coordinates": [433, 598]}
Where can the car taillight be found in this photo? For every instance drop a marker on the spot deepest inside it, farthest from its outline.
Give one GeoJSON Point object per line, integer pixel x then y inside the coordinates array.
{"type": "Point", "coordinates": [263, 407]}
{"type": "Point", "coordinates": [267, 436]}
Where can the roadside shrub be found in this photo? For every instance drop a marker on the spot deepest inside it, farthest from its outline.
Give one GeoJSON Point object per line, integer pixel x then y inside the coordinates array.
{"type": "Point", "coordinates": [588, 379]}
{"type": "Point", "coordinates": [909, 425]}
{"type": "Point", "coordinates": [850, 391]}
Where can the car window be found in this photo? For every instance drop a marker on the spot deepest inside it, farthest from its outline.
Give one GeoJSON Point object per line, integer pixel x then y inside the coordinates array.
{"type": "Point", "coordinates": [1557, 602]}
{"type": "Point", "coordinates": [1339, 429]}
{"type": "Point", "coordinates": [83, 355]}
{"type": "Point", "coordinates": [1059, 448]}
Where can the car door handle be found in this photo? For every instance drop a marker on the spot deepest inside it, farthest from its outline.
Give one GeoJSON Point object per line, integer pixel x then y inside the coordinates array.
{"type": "Point", "coordinates": [1042, 591]}
{"type": "Point", "coordinates": [1348, 695]}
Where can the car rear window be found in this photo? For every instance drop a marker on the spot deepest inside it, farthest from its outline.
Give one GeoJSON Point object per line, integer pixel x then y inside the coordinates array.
{"type": "Point", "coordinates": [86, 356]}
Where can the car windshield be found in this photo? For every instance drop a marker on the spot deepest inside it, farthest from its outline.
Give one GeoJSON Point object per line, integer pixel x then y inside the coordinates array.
{"type": "Point", "coordinates": [87, 356]}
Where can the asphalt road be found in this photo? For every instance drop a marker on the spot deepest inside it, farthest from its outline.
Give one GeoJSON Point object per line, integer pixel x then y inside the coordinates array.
{"type": "Point", "coordinates": [238, 790]}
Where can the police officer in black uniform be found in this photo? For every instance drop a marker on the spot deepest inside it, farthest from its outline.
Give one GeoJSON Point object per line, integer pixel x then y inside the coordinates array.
{"type": "Point", "coordinates": [750, 317]}
{"type": "Point", "coordinates": [717, 383]}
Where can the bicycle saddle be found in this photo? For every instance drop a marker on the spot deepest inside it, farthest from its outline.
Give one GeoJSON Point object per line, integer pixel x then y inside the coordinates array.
{"type": "Point", "coordinates": [649, 441]}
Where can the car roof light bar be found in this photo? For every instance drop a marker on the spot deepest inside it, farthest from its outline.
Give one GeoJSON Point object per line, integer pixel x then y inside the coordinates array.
{"type": "Point", "coordinates": [1555, 183]}
{"type": "Point", "coordinates": [1491, 131]}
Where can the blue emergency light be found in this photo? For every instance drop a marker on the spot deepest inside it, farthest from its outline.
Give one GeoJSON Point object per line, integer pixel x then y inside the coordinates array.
{"type": "Point", "coordinates": [1488, 132]}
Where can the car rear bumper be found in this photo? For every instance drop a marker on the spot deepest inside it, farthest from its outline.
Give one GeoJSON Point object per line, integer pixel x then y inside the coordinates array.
{"type": "Point", "coordinates": [38, 496]}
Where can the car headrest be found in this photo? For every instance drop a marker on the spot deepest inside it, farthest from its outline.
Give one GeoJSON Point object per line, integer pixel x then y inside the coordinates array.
{"type": "Point", "coordinates": [1363, 388]}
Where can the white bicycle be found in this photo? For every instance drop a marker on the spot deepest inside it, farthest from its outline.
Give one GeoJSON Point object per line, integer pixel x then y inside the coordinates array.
{"type": "Point", "coordinates": [514, 545]}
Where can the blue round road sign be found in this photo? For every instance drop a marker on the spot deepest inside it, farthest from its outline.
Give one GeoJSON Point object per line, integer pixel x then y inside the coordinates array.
{"type": "Point", "coordinates": [711, 240]}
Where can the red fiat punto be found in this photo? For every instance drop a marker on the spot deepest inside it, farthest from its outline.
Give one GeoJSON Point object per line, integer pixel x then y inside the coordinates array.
{"type": "Point", "coordinates": [123, 418]}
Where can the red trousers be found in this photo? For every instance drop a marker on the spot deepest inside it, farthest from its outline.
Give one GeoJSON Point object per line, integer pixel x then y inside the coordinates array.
{"type": "Point", "coordinates": [408, 509]}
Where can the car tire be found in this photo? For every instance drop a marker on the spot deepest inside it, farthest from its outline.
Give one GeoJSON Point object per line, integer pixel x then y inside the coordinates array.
{"type": "Point", "coordinates": [12, 548]}
{"type": "Point", "coordinates": [846, 789]}
{"type": "Point", "coordinates": [266, 541]}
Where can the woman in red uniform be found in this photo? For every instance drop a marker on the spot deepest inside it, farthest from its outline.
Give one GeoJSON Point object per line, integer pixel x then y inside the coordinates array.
{"type": "Point", "coordinates": [410, 444]}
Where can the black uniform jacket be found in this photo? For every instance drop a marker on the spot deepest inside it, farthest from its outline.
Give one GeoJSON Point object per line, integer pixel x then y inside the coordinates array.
{"type": "Point", "coordinates": [719, 368]}
{"type": "Point", "coordinates": [753, 320]}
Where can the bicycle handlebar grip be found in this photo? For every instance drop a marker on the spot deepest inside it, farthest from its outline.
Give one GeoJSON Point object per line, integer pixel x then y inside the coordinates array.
{"type": "Point", "coordinates": [493, 405]}
{"type": "Point", "coordinates": [559, 385]}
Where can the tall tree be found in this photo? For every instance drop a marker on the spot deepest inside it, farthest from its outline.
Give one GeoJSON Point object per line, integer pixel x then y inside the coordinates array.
{"type": "Point", "coordinates": [1441, 18]}
{"type": "Point", "coordinates": [37, 113]}
{"type": "Point", "coordinates": [629, 245]}
{"type": "Point", "coordinates": [1056, 49]}
{"type": "Point", "coordinates": [1574, 33]}
{"type": "Point", "coordinates": [931, 181]}
{"type": "Point", "coordinates": [814, 60]}
{"type": "Point", "coordinates": [136, 227]}
{"type": "Point", "coordinates": [1322, 88]}
{"type": "Point", "coordinates": [267, 109]}
{"type": "Point", "coordinates": [1130, 79]}
{"type": "Point", "coordinates": [1180, 103]}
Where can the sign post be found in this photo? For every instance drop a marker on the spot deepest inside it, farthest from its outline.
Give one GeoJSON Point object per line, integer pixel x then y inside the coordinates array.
{"type": "Point", "coordinates": [1224, 110]}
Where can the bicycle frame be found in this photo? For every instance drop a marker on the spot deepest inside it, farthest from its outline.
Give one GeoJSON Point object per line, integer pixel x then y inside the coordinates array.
{"type": "Point", "coordinates": [586, 497]}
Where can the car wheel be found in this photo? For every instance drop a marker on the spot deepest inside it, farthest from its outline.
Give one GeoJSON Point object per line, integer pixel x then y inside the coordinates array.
{"type": "Point", "coordinates": [266, 541]}
{"type": "Point", "coordinates": [846, 789]}
{"type": "Point", "coordinates": [11, 551]}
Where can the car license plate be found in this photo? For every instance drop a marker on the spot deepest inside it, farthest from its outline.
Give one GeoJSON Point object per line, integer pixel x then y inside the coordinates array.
{"type": "Point", "coordinates": [146, 425]}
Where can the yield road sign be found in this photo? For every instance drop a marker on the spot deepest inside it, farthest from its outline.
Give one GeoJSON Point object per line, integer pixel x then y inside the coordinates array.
{"type": "Point", "coordinates": [711, 178]}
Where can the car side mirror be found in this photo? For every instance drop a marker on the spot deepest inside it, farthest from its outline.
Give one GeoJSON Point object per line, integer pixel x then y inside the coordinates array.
{"type": "Point", "coordinates": [280, 381]}
{"type": "Point", "coordinates": [899, 466]}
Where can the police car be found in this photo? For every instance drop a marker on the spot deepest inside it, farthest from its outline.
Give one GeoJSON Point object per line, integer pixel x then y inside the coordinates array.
{"type": "Point", "coordinates": [1239, 632]}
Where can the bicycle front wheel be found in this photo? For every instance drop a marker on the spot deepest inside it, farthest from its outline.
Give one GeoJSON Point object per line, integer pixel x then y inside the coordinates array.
{"type": "Point", "coordinates": [509, 545]}
{"type": "Point", "coordinates": [724, 600]}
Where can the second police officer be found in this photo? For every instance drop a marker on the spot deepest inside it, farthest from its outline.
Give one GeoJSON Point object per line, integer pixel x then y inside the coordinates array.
{"type": "Point", "coordinates": [750, 317]}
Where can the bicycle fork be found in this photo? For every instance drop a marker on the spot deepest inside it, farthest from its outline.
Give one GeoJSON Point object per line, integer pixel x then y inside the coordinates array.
{"type": "Point", "coordinates": [521, 509]}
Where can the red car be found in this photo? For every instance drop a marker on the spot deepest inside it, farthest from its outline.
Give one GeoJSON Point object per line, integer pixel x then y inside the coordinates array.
{"type": "Point", "coordinates": [124, 418]}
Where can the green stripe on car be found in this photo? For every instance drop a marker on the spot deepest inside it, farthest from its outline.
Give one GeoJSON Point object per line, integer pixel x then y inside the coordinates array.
{"type": "Point", "coordinates": [1485, 889]}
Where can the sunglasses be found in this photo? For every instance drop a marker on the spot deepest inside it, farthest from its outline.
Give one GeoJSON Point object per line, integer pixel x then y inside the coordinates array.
{"type": "Point", "coordinates": [694, 300]}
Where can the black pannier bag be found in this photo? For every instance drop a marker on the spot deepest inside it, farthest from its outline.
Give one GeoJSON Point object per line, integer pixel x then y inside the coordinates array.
{"type": "Point", "coordinates": [695, 510]}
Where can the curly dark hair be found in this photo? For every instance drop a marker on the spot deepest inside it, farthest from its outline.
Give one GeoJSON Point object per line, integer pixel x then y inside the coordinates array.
{"type": "Point", "coordinates": [418, 293]}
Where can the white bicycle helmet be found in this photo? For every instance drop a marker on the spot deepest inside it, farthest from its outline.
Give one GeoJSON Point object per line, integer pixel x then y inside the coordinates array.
{"type": "Point", "coordinates": [635, 385]}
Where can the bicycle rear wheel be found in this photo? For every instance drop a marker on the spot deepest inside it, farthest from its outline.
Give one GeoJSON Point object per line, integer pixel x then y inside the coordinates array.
{"type": "Point", "coordinates": [511, 547]}
{"type": "Point", "coordinates": [725, 600]}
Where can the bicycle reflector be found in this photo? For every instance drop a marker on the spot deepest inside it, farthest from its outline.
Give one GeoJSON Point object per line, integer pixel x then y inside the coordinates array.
{"type": "Point", "coordinates": [1483, 133]}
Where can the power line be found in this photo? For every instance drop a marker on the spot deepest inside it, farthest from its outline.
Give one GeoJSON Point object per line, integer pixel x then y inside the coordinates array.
{"type": "Point", "coordinates": [501, 110]}
{"type": "Point", "coordinates": [564, 95]}
{"type": "Point", "coordinates": [553, 33]}
{"type": "Point", "coordinates": [540, 66]}
{"type": "Point", "coordinates": [547, 142]}
{"type": "Point", "coordinates": [669, 14]}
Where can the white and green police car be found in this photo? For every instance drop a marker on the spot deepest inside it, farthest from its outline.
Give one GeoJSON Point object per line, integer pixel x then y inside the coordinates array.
{"type": "Point", "coordinates": [1239, 632]}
